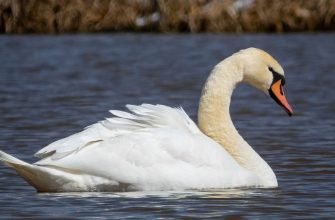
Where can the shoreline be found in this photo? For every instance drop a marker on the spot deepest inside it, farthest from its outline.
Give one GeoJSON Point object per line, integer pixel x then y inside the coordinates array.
{"type": "Point", "coordinates": [158, 16]}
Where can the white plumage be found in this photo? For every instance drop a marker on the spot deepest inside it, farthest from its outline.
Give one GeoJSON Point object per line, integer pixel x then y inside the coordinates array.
{"type": "Point", "coordinates": [136, 152]}
{"type": "Point", "coordinates": [156, 147]}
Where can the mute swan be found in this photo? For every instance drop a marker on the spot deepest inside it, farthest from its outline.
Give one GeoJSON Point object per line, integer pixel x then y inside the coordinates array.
{"type": "Point", "coordinates": [156, 147]}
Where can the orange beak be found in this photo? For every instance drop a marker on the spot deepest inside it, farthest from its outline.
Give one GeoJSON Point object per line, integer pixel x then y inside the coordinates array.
{"type": "Point", "coordinates": [277, 93]}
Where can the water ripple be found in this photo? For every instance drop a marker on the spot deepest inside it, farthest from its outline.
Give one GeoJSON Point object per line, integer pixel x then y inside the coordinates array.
{"type": "Point", "coordinates": [53, 86]}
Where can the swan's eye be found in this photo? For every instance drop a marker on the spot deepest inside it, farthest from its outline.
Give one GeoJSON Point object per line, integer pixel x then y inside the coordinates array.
{"type": "Point", "coordinates": [271, 69]}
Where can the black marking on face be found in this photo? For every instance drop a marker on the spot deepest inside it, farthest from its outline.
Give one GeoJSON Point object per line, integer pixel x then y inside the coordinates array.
{"type": "Point", "coordinates": [277, 76]}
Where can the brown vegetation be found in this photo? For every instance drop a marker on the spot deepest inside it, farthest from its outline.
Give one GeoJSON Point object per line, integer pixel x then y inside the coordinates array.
{"type": "Point", "coordinates": [60, 16]}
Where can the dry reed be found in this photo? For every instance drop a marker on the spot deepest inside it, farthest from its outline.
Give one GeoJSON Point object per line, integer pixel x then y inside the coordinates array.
{"type": "Point", "coordinates": [61, 16]}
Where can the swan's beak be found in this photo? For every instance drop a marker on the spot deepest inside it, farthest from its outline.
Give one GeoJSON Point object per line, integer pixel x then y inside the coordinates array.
{"type": "Point", "coordinates": [277, 93]}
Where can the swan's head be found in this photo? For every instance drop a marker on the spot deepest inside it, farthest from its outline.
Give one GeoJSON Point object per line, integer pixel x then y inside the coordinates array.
{"type": "Point", "coordinates": [262, 71]}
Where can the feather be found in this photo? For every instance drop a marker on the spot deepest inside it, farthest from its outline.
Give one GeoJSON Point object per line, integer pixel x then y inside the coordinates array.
{"type": "Point", "coordinates": [140, 118]}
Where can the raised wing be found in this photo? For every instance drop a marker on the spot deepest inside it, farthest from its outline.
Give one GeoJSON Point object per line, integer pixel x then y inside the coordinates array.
{"type": "Point", "coordinates": [141, 117]}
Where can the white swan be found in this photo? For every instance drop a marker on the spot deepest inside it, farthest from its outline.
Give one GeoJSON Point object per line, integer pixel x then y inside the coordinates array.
{"type": "Point", "coordinates": [156, 147]}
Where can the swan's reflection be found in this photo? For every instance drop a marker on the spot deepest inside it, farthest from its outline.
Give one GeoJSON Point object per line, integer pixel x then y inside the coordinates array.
{"type": "Point", "coordinates": [212, 193]}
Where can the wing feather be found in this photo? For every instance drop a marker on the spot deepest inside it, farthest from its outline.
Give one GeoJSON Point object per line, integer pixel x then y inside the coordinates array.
{"type": "Point", "coordinates": [140, 118]}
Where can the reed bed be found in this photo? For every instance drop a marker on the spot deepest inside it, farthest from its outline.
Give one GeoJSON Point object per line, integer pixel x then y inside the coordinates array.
{"type": "Point", "coordinates": [71, 16]}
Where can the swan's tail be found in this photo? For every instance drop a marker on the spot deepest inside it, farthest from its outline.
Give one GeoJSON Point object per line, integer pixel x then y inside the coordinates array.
{"type": "Point", "coordinates": [55, 179]}
{"type": "Point", "coordinates": [10, 160]}
{"type": "Point", "coordinates": [38, 176]}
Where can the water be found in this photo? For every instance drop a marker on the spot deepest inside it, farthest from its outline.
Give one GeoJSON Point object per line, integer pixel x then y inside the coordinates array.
{"type": "Point", "coordinates": [53, 86]}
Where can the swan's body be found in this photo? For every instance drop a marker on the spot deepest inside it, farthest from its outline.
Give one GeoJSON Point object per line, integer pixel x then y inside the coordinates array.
{"type": "Point", "coordinates": [156, 147]}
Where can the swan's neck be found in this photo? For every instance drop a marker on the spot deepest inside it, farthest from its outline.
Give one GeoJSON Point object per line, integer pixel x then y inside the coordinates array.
{"type": "Point", "coordinates": [214, 119]}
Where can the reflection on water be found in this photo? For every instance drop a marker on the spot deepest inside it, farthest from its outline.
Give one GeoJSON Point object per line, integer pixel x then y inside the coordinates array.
{"type": "Point", "coordinates": [53, 86]}
{"type": "Point", "coordinates": [214, 193]}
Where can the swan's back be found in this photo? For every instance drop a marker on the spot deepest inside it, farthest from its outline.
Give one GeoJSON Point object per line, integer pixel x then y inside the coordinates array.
{"type": "Point", "coordinates": [142, 117]}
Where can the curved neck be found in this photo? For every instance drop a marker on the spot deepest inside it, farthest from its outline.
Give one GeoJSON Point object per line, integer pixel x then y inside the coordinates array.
{"type": "Point", "coordinates": [215, 121]}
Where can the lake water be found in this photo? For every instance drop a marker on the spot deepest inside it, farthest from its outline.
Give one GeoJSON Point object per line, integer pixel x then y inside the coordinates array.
{"type": "Point", "coordinates": [53, 86]}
